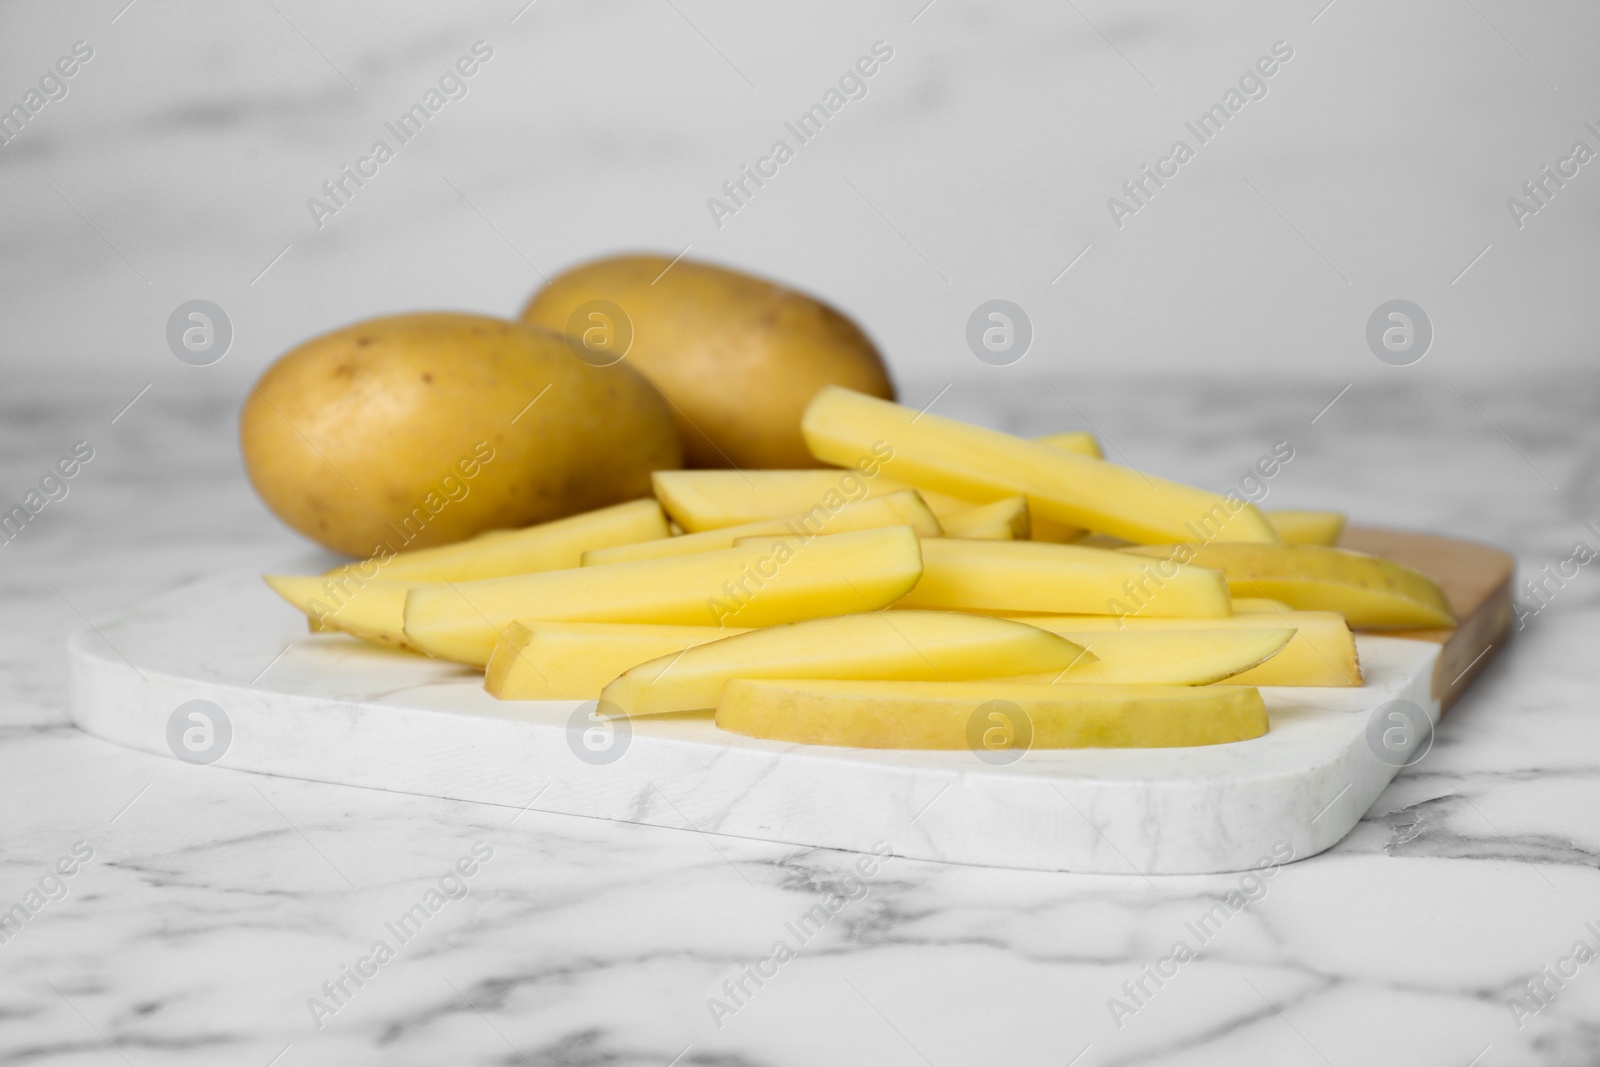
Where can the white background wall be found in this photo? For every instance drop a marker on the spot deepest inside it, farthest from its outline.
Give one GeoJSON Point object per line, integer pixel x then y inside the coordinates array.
{"type": "Point", "coordinates": [978, 166]}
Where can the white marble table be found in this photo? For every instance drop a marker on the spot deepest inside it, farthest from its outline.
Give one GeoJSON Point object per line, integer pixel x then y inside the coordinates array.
{"type": "Point", "coordinates": [216, 904]}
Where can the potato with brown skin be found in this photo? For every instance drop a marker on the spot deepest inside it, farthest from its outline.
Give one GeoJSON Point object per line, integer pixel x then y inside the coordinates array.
{"type": "Point", "coordinates": [738, 356]}
{"type": "Point", "coordinates": [418, 430]}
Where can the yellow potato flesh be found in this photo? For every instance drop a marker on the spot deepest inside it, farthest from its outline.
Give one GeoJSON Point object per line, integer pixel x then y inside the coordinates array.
{"type": "Point", "coordinates": [989, 715]}
{"type": "Point", "coordinates": [711, 499]}
{"type": "Point", "coordinates": [575, 660]}
{"type": "Point", "coordinates": [928, 645]}
{"type": "Point", "coordinates": [904, 508]}
{"type": "Point", "coordinates": [371, 610]}
{"type": "Point", "coordinates": [1247, 605]}
{"type": "Point", "coordinates": [1004, 520]}
{"type": "Point", "coordinates": [1371, 593]}
{"type": "Point", "coordinates": [985, 465]}
{"type": "Point", "coordinates": [1014, 576]}
{"type": "Point", "coordinates": [549, 546]}
{"type": "Point", "coordinates": [1322, 651]}
{"type": "Point", "coordinates": [1041, 528]}
{"type": "Point", "coordinates": [753, 585]}
{"type": "Point", "coordinates": [1169, 657]}
{"type": "Point", "coordinates": [1298, 527]}
{"type": "Point", "coordinates": [1081, 442]}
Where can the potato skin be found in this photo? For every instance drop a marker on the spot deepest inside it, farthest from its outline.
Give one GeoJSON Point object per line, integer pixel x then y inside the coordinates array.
{"type": "Point", "coordinates": [738, 356]}
{"type": "Point", "coordinates": [414, 430]}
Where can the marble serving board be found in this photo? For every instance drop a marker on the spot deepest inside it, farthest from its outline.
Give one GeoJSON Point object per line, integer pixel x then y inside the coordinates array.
{"type": "Point", "coordinates": [278, 700]}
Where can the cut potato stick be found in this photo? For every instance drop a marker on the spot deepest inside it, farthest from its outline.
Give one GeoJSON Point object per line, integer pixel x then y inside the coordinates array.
{"type": "Point", "coordinates": [575, 660]}
{"type": "Point", "coordinates": [1004, 520]}
{"type": "Point", "coordinates": [1321, 652]}
{"type": "Point", "coordinates": [371, 610]}
{"type": "Point", "coordinates": [1307, 527]}
{"type": "Point", "coordinates": [1249, 605]}
{"type": "Point", "coordinates": [712, 499]}
{"type": "Point", "coordinates": [1371, 593]}
{"type": "Point", "coordinates": [1043, 528]}
{"type": "Point", "coordinates": [367, 599]}
{"type": "Point", "coordinates": [1168, 657]}
{"type": "Point", "coordinates": [752, 585]}
{"type": "Point", "coordinates": [1081, 442]}
{"type": "Point", "coordinates": [1096, 540]}
{"type": "Point", "coordinates": [928, 645]}
{"type": "Point", "coordinates": [549, 546]}
{"type": "Point", "coordinates": [985, 465]}
{"type": "Point", "coordinates": [904, 508]}
{"type": "Point", "coordinates": [989, 716]}
{"type": "Point", "coordinates": [1015, 576]}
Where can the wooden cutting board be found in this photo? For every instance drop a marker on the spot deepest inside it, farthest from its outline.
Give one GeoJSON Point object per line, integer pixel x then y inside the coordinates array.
{"type": "Point", "coordinates": [1476, 579]}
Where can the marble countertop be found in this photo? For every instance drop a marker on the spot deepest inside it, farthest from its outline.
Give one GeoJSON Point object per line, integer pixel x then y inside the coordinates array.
{"type": "Point", "coordinates": [214, 905]}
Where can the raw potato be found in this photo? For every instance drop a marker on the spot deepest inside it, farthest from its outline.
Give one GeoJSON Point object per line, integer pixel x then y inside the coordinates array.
{"type": "Point", "coordinates": [1372, 593]}
{"type": "Point", "coordinates": [929, 645]}
{"type": "Point", "coordinates": [990, 715]}
{"type": "Point", "coordinates": [754, 585]}
{"type": "Point", "coordinates": [1079, 441]}
{"type": "Point", "coordinates": [1083, 444]}
{"type": "Point", "coordinates": [1307, 527]}
{"type": "Point", "coordinates": [367, 599]}
{"type": "Point", "coordinates": [1096, 540]}
{"type": "Point", "coordinates": [550, 546]}
{"type": "Point", "coordinates": [985, 465]}
{"type": "Point", "coordinates": [1016, 576]}
{"type": "Point", "coordinates": [897, 509]}
{"type": "Point", "coordinates": [575, 660]}
{"type": "Point", "coordinates": [1322, 651]}
{"type": "Point", "coordinates": [1053, 531]}
{"type": "Point", "coordinates": [739, 356]}
{"type": "Point", "coordinates": [1004, 520]}
{"type": "Point", "coordinates": [712, 500]}
{"type": "Point", "coordinates": [1245, 605]}
{"type": "Point", "coordinates": [1169, 657]}
{"type": "Point", "coordinates": [372, 610]}
{"type": "Point", "coordinates": [416, 430]}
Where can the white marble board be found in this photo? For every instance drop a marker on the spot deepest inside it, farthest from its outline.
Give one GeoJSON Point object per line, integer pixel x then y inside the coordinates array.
{"type": "Point", "coordinates": [328, 708]}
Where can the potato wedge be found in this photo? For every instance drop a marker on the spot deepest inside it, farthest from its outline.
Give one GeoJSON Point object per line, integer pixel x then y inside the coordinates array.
{"type": "Point", "coordinates": [1050, 531]}
{"type": "Point", "coordinates": [1096, 540]}
{"type": "Point", "coordinates": [1249, 605]}
{"type": "Point", "coordinates": [1168, 657]}
{"type": "Point", "coordinates": [1298, 527]}
{"type": "Point", "coordinates": [753, 585]}
{"type": "Point", "coordinates": [928, 645]}
{"type": "Point", "coordinates": [548, 546]}
{"type": "Point", "coordinates": [1321, 652]}
{"type": "Point", "coordinates": [1004, 520]}
{"type": "Point", "coordinates": [1081, 442]}
{"type": "Point", "coordinates": [985, 465]}
{"type": "Point", "coordinates": [575, 660]}
{"type": "Point", "coordinates": [989, 715]}
{"type": "Point", "coordinates": [904, 508]}
{"type": "Point", "coordinates": [371, 610]}
{"type": "Point", "coordinates": [1015, 576]}
{"type": "Point", "coordinates": [1371, 593]}
{"type": "Point", "coordinates": [701, 500]}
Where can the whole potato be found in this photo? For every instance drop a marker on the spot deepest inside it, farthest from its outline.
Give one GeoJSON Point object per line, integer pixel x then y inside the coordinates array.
{"type": "Point", "coordinates": [738, 356]}
{"type": "Point", "coordinates": [418, 430]}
